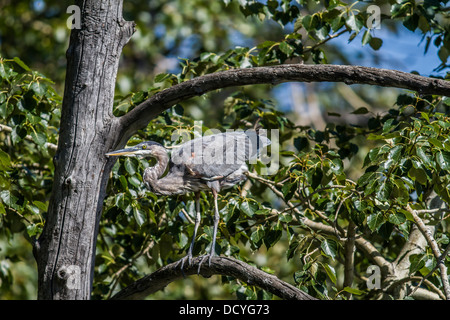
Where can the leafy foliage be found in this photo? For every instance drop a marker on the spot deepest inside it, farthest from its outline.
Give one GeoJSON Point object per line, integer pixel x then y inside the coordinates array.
{"type": "Point", "coordinates": [332, 176]}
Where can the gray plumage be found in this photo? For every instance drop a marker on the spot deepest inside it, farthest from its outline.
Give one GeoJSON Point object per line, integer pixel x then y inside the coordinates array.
{"type": "Point", "coordinates": [213, 162]}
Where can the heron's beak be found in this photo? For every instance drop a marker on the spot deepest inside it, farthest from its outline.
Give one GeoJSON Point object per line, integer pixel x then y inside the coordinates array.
{"type": "Point", "coordinates": [123, 152]}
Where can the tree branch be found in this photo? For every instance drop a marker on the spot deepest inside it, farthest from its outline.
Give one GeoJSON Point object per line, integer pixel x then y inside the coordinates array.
{"type": "Point", "coordinates": [219, 265]}
{"type": "Point", "coordinates": [140, 116]}
{"type": "Point", "coordinates": [434, 247]}
{"type": "Point", "coordinates": [28, 137]}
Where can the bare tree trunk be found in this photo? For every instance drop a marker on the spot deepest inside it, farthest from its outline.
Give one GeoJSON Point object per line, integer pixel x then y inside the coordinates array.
{"type": "Point", "coordinates": [65, 251]}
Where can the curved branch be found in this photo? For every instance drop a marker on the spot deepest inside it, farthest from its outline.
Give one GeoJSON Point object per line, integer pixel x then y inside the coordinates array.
{"type": "Point", "coordinates": [140, 116]}
{"type": "Point", "coordinates": [219, 265]}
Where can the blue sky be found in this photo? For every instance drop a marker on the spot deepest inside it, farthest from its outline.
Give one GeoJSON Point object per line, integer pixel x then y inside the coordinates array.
{"type": "Point", "coordinates": [403, 51]}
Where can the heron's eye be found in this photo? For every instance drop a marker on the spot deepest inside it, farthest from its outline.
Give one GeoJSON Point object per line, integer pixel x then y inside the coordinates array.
{"type": "Point", "coordinates": [144, 147]}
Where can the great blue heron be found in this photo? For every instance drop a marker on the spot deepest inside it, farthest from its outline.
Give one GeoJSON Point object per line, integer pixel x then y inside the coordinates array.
{"type": "Point", "coordinates": [212, 162]}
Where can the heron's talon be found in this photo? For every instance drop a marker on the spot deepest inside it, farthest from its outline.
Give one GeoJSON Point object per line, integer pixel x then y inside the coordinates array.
{"type": "Point", "coordinates": [200, 263]}
{"type": "Point", "coordinates": [209, 259]}
{"type": "Point", "coordinates": [182, 261]}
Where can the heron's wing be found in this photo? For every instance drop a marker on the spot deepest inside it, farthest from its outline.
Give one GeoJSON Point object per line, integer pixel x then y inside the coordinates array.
{"type": "Point", "coordinates": [219, 155]}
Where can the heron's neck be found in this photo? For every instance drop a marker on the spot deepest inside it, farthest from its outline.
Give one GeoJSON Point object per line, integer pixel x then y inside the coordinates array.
{"type": "Point", "coordinates": [153, 174]}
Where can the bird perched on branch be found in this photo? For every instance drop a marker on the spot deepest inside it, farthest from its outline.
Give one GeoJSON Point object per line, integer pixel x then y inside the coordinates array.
{"type": "Point", "coordinates": [212, 162]}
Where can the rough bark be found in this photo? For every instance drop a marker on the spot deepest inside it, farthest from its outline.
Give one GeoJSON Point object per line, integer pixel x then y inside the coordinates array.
{"type": "Point", "coordinates": [219, 265]}
{"type": "Point", "coordinates": [66, 249]}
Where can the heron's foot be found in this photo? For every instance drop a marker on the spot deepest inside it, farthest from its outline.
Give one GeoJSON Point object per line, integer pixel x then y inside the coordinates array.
{"type": "Point", "coordinates": [183, 260]}
{"type": "Point", "coordinates": [203, 258]}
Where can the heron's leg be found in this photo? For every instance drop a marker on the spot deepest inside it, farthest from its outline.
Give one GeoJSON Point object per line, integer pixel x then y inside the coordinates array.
{"type": "Point", "coordinates": [196, 224]}
{"type": "Point", "coordinates": [213, 243]}
{"type": "Point", "coordinates": [216, 224]}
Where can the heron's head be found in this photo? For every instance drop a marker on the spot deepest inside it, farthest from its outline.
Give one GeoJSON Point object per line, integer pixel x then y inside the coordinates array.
{"type": "Point", "coordinates": [143, 149]}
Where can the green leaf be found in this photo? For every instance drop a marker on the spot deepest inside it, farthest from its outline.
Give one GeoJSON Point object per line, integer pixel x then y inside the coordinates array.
{"type": "Point", "coordinates": [353, 291]}
{"type": "Point", "coordinates": [395, 153]}
{"type": "Point", "coordinates": [38, 88]}
{"type": "Point", "coordinates": [41, 206]}
{"type": "Point", "coordinates": [397, 218]}
{"type": "Point", "coordinates": [411, 22]}
{"type": "Point", "coordinates": [138, 97]}
{"type": "Point", "coordinates": [417, 262]}
{"type": "Point", "coordinates": [39, 138]}
{"type": "Point", "coordinates": [286, 48]}
{"type": "Point", "coordinates": [179, 110]}
{"type": "Point", "coordinates": [388, 126]}
{"type": "Point", "coordinates": [161, 77]}
{"type": "Point", "coordinates": [32, 230]}
{"type": "Point", "coordinates": [375, 43]}
{"type": "Point", "coordinates": [353, 23]}
{"type": "Point", "coordinates": [418, 174]}
{"type": "Point", "coordinates": [366, 37]}
{"type": "Point", "coordinates": [288, 190]}
{"type": "Point", "coordinates": [123, 182]}
{"type": "Point", "coordinates": [425, 116]}
{"type": "Point", "coordinates": [443, 54]}
{"type": "Point", "coordinates": [248, 208]}
{"type": "Point", "coordinates": [329, 248]}
{"type": "Point", "coordinates": [443, 159]}
{"type": "Point", "coordinates": [133, 180]}
{"type": "Point", "coordinates": [423, 156]}
{"type": "Point", "coordinates": [139, 216]}
{"type": "Point", "coordinates": [366, 178]}
{"type": "Point", "coordinates": [6, 197]}
{"type": "Point", "coordinates": [401, 192]}
{"type": "Point", "coordinates": [362, 110]}
{"type": "Point", "coordinates": [21, 63]}
{"type": "Point", "coordinates": [337, 23]}
{"type": "Point", "coordinates": [272, 236]}
{"type": "Point", "coordinates": [257, 236]}
{"type": "Point", "coordinates": [435, 142]}
{"type": "Point", "coordinates": [266, 44]}
{"type": "Point", "coordinates": [301, 143]}
{"type": "Point", "coordinates": [130, 166]}
{"type": "Point", "coordinates": [330, 272]}
{"type": "Point", "coordinates": [18, 134]}
{"type": "Point", "coordinates": [337, 166]}
{"type": "Point", "coordinates": [385, 190]}
{"type": "Point", "coordinates": [5, 161]}
{"type": "Point", "coordinates": [374, 221]}
{"type": "Point", "coordinates": [316, 178]}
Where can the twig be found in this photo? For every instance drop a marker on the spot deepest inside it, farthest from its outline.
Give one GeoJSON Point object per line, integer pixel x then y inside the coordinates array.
{"type": "Point", "coordinates": [28, 137]}
{"type": "Point", "coordinates": [424, 279]}
{"type": "Point", "coordinates": [434, 247]}
{"type": "Point", "coordinates": [325, 40]}
{"type": "Point", "coordinates": [335, 225]}
{"type": "Point", "coordinates": [421, 280]}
